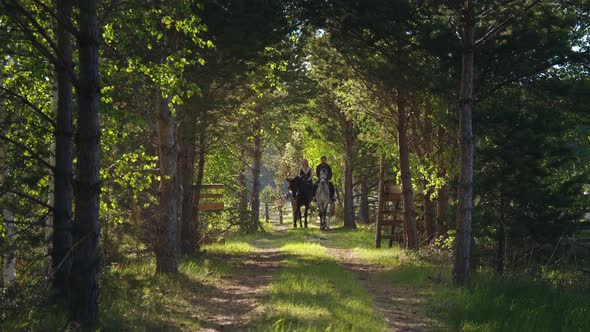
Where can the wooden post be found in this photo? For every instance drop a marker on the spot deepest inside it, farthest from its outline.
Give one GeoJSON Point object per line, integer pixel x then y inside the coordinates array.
{"type": "Point", "coordinates": [396, 207]}
{"type": "Point", "coordinates": [381, 201]}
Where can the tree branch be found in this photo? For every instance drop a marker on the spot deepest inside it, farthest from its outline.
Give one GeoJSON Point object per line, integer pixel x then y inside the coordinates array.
{"type": "Point", "coordinates": [55, 57]}
{"type": "Point", "coordinates": [25, 101]}
{"type": "Point", "coordinates": [502, 25]}
{"type": "Point", "coordinates": [60, 18]}
{"type": "Point", "coordinates": [36, 44]}
{"type": "Point", "coordinates": [37, 26]}
{"type": "Point", "coordinates": [33, 153]}
{"type": "Point", "coordinates": [516, 79]}
{"type": "Point", "coordinates": [31, 198]}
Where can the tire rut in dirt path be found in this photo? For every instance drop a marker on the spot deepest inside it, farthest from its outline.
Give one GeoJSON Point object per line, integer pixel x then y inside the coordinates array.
{"type": "Point", "coordinates": [233, 305]}
{"type": "Point", "coordinates": [403, 307]}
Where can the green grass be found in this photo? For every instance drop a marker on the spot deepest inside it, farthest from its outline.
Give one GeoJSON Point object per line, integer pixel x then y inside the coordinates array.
{"type": "Point", "coordinates": [230, 248]}
{"type": "Point", "coordinates": [341, 238]}
{"type": "Point", "coordinates": [132, 298]}
{"type": "Point", "coordinates": [313, 293]}
{"type": "Point", "coordinates": [384, 256]}
{"type": "Point", "coordinates": [496, 304]}
{"type": "Point", "coordinates": [488, 304]}
{"type": "Point", "coordinates": [400, 266]}
{"type": "Point", "coordinates": [271, 239]}
{"type": "Point", "coordinates": [43, 318]}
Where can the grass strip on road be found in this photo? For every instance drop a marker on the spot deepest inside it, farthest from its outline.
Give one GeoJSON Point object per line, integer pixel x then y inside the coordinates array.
{"type": "Point", "coordinates": [313, 293]}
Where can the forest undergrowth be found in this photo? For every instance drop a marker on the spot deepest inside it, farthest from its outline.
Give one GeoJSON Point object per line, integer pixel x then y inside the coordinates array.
{"type": "Point", "coordinates": [309, 288]}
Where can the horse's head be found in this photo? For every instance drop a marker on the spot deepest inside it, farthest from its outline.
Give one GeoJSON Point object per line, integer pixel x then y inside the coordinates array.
{"type": "Point", "coordinates": [323, 175]}
{"type": "Point", "coordinates": [294, 185]}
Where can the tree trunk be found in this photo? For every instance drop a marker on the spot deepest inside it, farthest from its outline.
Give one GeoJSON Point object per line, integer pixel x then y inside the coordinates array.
{"type": "Point", "coordinates": [167, 248]}
{"type": "Point", "coordinates": [348, 190]}
{"type": "Point", "coordinates": [166, 242]}
{"type": "Point", "coordinates": [257, 158]}
{"type": "Point", "coordinates": [243, 203]}
{"type": "Point", "coordinates": [429, 214]}
{"type": "Point", "coordinates": [381, 202]}
{"type": "Point", "coordinates": [186, 167]}
{"type": "Point", "coordinates": [442, 197]}
{"type": "Point", "coordinates": [406, 177]}
{"type": "Point", "coordinates": [200, 173]}
{"type": "Point", "coordinates": [442, 208]}
{"type": "Point", "coordinates": [63, 173]}
{"type": "Point", "coordinates": [8, 259]}
{"type": "Point", "coordinates": [501, 237]}
{"type": "Point", "coordinates": [429, 219]}
{"type": "Point", "coordinates": [364, 208]}
{"type": "Point", "coordinates": [51, 193]}
{"type": "Point", "coordinates": [86, 228]}
{"type": "Point", "coordinates": [508, 257]}
{"type": "Point", "coordinates": [465, 192]}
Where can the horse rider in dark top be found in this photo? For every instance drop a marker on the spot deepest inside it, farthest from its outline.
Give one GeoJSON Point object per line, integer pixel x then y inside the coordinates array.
{"type": "Point", "coordinates": [324, 165]}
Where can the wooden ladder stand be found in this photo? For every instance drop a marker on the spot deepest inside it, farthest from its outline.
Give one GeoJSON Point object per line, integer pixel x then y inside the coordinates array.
{"type": "Point", "coordinates": [390, 210]}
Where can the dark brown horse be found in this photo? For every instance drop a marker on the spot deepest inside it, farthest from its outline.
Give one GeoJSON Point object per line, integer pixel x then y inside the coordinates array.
{"type": "Point", "coordinates": [302, 194]}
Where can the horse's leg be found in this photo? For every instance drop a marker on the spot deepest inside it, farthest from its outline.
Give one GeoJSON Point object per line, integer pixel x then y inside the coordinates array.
{"type": "Point", "coordinates": [324, 216]}
{"type": "Point", "coordinates": [301, 218]}
{"type": "Point", "coordinates": [295, 216]}
{"type": "Point", "coordinates": [321, 215]}
{"type": "Point", "coordinates": [328, 215]}
{"type": "Point", "coordinates": [306, 208]}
